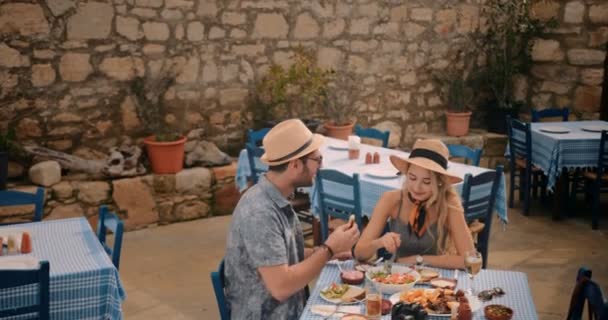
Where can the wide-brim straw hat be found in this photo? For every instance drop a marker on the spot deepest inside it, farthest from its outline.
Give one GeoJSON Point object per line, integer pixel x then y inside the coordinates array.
{"type": "Point", "coordinates": [289, 140]}
{"type": "Point", "coordinates": [430, 154]}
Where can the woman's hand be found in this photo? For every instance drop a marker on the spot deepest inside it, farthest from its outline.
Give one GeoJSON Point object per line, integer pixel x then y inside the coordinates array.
{"type": "Point", "coordinates": [391, 241]}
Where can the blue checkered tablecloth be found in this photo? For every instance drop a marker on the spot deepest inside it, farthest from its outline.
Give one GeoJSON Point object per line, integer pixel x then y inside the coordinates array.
{"type": "Point", "coordinates": [515, 284]}
{"type": "Point", "coordinates": [373, 187]}
{"type": "Point", "coordinates": [553, 152]}
{"type": "Point", "coordinates": [84, 284]}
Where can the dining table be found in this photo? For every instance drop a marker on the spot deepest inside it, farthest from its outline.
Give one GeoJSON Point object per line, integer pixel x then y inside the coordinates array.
{"type": "Point", "coordinates": [84, 284]}
{"type": "Point", "coordinates": [375, 179]}
{"type": "Point", "coordinates": [517, 294]}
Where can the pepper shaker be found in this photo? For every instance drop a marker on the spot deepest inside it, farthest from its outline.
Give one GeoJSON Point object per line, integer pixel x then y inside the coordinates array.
{"type": "Point", "coordinates": [368, 158]}
{"type": "Point", "coordinates": [376, 157]}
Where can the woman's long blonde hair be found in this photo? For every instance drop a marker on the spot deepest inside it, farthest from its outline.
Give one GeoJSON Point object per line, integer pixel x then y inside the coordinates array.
{"type": "Point", "coordinates": [442, 192]}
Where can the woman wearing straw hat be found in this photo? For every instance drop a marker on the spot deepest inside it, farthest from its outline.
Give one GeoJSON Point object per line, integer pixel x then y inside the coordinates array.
{"type": "Point", "coordinates": [424, 217]}
{"type": "Point", "coordinates": [266, 265]}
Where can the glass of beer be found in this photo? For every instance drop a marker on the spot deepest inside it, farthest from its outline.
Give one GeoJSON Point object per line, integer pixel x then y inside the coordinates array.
{"type": "Point", "coordinates": [472, 264]}
{"type": "Point", "coordinates": [373, 298]}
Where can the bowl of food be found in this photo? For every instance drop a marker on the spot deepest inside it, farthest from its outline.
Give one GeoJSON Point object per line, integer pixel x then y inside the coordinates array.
{"type": "Point", "coordinates": [498, 312]}
{"type": "Point", "coordinates": [400, 279]}
{"type": "Point", "coordinates": [355, 277]}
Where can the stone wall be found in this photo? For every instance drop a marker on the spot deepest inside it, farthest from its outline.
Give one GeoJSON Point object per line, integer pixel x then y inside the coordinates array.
{"type": "Point", "coordinates": [568, 61]}
{"type": "Point", "coordinates": [142, 201]}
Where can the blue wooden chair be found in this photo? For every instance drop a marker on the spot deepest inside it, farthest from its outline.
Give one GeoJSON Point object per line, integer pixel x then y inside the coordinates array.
{"type": "Point", "coordinates": [218, 281]}
{"type": "Point", "coordinates": [538, 115]}
{"type": "Point", "coordinates": [459, 151]}
{"type": "Point", "coordinates": [598, 179]}
{"type": "Point", "coordinates": [255, 137]}
{"type": "Point", "coordinates": [520, 161]}
{"type": "Point", "coordinates": [588, 291]}
{"type": "Point", "coordinates": [481, 207]}
{"type": "Point", "coordinates": [18, 198]}
{"type": "Point", "coordinates": [110, 221]}
{"type": "Point", "coordinates": [373, 133]}
{"type": "Point", "coordinates": [336, 205]}
{"type": "Point", "coordinates": [10, 279]}
{"type": "Point", "coordinates": [254, 152]}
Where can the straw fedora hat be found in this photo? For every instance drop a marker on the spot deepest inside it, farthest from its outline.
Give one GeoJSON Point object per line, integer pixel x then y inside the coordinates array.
{"type": "Point", "coordinates": [430, 154]}
{"type": "Point", "coordinates": [289, 140]}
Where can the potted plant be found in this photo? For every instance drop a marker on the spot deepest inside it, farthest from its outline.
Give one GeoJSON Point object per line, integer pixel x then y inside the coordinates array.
{"type": "Point", "coordinates": [9, 149]}
{"type": "Point", "coordinates": [456, 86]}
{"type": "Point", "coordinates": [506, 45]}
{"type": "Point", "coordinates": [294, 92]}
{"type": "Point", "coordinates": [339, 107]}
{"type": "Point", "coordinates": [164, 145]}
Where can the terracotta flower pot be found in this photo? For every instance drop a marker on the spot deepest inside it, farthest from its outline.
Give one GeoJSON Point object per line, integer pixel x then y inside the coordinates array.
{"type": "Point", "coordinates": [165, 157]}
{"type": "Point", "coordinates": [338, 132]}
{"type": "Point", "coordinates": [457, 123]}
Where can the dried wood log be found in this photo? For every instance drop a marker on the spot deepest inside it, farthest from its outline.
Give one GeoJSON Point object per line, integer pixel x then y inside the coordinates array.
{"type": "Point", "coordinates": [68, 161]}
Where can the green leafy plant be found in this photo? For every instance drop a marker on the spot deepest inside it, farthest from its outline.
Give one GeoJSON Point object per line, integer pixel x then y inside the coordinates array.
{"type": "Point", "coordinates": [458, 82]}
{"type": "Point", "coordinates": [339, 106]}
{"type": "Point", "coordinates": [9, 144]}
{"type": "Point", "coordinates": [506, 44]}
{"type": "Point", "coordinates": [294, 92]}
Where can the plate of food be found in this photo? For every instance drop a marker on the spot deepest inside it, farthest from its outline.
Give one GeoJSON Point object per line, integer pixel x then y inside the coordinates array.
{"type": "Point", "coordinates": [342, 294]}
{"type": "Point", "coordinates": [401, 278]}
{"type": "Point", "coordinates": [436, 302]}
{"type": "Point", "coordinates": [381, 172]}
{"type": "Point", "coordinates": [594, 128]}
{"type": "Point", "coordinates": [554, 129]}
{"type": "Point", "coordinates": [427, 275]}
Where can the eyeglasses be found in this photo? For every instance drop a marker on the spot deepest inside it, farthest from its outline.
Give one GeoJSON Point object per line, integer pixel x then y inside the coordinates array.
{"type": "Point", "coordinates": [487, 295]}
{"type": "Point", "coordinates": [318, 159]}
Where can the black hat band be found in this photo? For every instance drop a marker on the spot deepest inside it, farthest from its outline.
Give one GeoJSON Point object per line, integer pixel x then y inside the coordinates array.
{"type": "Point", "coordinates": [431, 155]}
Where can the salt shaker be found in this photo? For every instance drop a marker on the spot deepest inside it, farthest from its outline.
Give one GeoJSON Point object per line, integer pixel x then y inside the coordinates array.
{"type": "Point", "coordinates": [354, 144]}
{"type": "Point", "coordinates": [26, 243]}
{"type": "Point", "coordinates": [368, 158]}
{"type": "Point", "coordinates": [376, 157]}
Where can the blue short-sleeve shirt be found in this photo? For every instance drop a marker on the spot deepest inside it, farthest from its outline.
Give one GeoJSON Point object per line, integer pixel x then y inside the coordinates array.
{"type": "Point", "coordinates": [265, 231]}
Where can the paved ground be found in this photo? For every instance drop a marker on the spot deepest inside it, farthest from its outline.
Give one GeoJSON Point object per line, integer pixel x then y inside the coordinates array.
{"type": "Point", "coordinates": [165, 270]}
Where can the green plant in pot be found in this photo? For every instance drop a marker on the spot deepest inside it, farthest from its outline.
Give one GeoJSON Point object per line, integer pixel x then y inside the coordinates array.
{"type": "Point", "coordinates": [506, 44]}
{"type": "Point", "coordinates": [164, 145]}
{"type": "Point", "coordinates": [339, 106]}
{"type": "Point", "coordinates": [9, 149]}
{"type": "Point", "coordinates": [293, 92]}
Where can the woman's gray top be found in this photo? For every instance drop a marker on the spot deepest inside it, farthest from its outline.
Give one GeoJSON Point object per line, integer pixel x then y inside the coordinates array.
{"type": "Point", "coordinates": [410, 243]}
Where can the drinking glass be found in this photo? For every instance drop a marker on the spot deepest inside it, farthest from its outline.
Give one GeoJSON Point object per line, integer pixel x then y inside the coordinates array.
{"type": "Point", "coordinates": [472, 264]}
{"type": "Point", "coordinates": [373, 298]}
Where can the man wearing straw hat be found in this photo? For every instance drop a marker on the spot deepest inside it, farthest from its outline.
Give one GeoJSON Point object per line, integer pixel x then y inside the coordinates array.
{"type": "Point", "coordinates": [266, 264]}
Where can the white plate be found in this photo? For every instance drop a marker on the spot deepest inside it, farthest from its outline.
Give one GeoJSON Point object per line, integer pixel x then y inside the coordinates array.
{"type": "Point", "coordinates": [594, 128]}
{"type": "Point", "coordinates": [338, 300]}
{"type": "Point", "coordinates": [381, 172]}
{"type": "Point", "coordinates": [338, 147]}
{"type": "Point", "coordinates": [555, 129]}
{"type": "Point", "coordinates": [20, 262]}
{"type": "Point", "coordinates": [473, 302]}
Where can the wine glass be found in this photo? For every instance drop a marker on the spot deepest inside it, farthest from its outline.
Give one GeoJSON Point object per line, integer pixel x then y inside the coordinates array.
{"type": "Point", "coordinates": [472, 264]}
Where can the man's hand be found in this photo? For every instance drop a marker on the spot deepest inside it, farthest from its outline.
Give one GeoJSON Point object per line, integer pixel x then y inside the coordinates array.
{"type": "Point", "coordinates": [343, 238]}
{"type": "Point", "coordinates": [391, 241]}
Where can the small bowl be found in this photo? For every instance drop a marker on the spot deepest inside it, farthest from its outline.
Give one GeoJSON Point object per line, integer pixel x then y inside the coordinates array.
{"type": "Point", "coordinates": [393, 288]}
{"type": "Point", "coordinates": [498, 312]}
{"type": "Point", "coordinates": [353, 277]}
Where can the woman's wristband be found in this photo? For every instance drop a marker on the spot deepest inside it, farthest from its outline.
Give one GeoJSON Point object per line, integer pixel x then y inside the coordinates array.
{"type": "Point", "coordinates": [329, 250]}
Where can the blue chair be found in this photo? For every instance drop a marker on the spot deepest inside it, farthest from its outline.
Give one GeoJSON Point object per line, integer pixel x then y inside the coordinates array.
{"type": "Point", "coordinates": [373, 133]}
{"type": "Point", "coordinates": [537, 115]}
{"type": "Point", "coordinates": [255, 137]}
{"type": "Point", "coordinates": [19, 198]}
{"type": "Point", "coordinates": [460, 151]}
{"type": "Point", "coordinates": [110, 221]}
{"type": "Point", "coordinates": [336, 205]}
{"type": "Point", "coordinates": [218, 281]}
{"type": "Point", "coordinates": [254, 152]}
{"type": "Point", "coordinates": [520, 161]}
{"type": "Point", "coordinates": [589, 291]}
{"type": "Point", "coordinates": [598, 179]}
{"type": "Point", "coordinates": [11, 279]}
{"type": "Point", "coordinates": [481, 207]}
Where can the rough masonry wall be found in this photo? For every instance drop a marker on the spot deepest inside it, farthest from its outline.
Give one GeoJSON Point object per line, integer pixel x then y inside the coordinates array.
{"type": "Point", "coordinates": [66, 65]}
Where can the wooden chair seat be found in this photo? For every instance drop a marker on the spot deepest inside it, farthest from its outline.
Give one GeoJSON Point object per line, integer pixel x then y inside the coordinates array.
{"type": "Point", "coordinates": [593, 175]}
{"type": "Point", "coordinates": [521, 163]}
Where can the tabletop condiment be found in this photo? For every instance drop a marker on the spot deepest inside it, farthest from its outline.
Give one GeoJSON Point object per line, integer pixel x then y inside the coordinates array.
{"type": "Point", "coordinates": [1, 246]}
{"type": "Point", "coordinates": [26, 243]}
{"type": "Point", "coordinates": [464, 309]}
{"type": "Point", "coordinates": [11, 246]}
{"type": "Point", "coordinates": [376, 157]}
{"type": "Point", "coordinates": [368, 158]}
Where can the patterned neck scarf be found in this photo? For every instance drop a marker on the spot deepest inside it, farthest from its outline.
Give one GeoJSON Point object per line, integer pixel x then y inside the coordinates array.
{"type": "Point", "coordinates": [417, 217]}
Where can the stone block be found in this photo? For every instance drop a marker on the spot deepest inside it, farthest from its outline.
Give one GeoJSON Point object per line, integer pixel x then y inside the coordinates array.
{"type": "Point", "coordinates": [62, 191]}
{"type": "Point", "coordinates": [468, 19]}
{"type": "Point", "coordinates": [399, 13]}
{"type": "Point", "coordinates": [149, 3]}
{"type": "Point", "coordinates": [587, 98]}
{"type": "Point", "coordinates": [495, 145]}
{"type": "Point", "coordinates": [574, 12]}
{"type": "Point", "coordinates": [59, 7]}
{"type": "Point", "coordinates": [128, 27]}
{"type": "Point", "coordinates": [191, 210]}
{"type": "Point", "coordinates": [28, 128]}
{"type": "Point", "coordinates": [189, 72]}
{"type": "Point", "coordinates": [413, 30]}
{"type": "Point", "coordinates": [93, 193]}
{"type": "Point", "coordinates": [421, 14]}
{"type": "Point", "coordinates": [92, 20]}
{"type": "Point", "coordinates": [333, 28]}
{"type": "Point", "coordinates": [210, 72]}
{"type": "Point", "coordinates": [586, 57]}
{"type": "Point", "coordinates": [174, 15]}
{"type": "Point", "coordinates": [195, 31]}
{"type": "Point", "coordinates": [270, 25]}
{"type": "Point", "coordinates": [130, 120]}
{"type": "Point", "coordinates": [135, 198]}
{"type": "Point", "coordinates": [185, 4]}
{"type": "Point", "coordinates": [144, 12]}
{"type": "Point", "coordinates": [153, 50]}
{"type": "Point", "coordinates": [233, 96]}
{"type": "Point", "coordinates": [546, 50]}
{"type": "Point", "coordinates": [445, 21]}
{"type": "Point", "coordinates": [66, 211]}
{"type": "Point", "coordinates": [234, 18]}
{"type": "Point", "coordinates": [122, 68]}
{"type": "Point", "coordinates": [592, 77]}
{"type": "Point", "coordinates": [248, 49]}
{"type": "Point", "coordinates": [216, 33]}
{"type": "Point", "coordinates": [15, 169]}
{"type": "Point", "coordinates": [329, 58]}
{"type": "Point", "coordinates": [598, 37]}
{"type": "Point", "coordinates": [225, 172]}
{"type": "Point", "coordinates": [12, 58]}
{"type": "Point", "coordinates": [164, 183]}
{"type": "Point", "coordinates": [564, 74]}
{"type": "Point", "coordinates": [545, 10]}
{"type": "Point", "coordinates": [45, 173]}
{"type": "Point", "coordinates": [42, 75]}
{"type": "Point", "coordinates": [195, 180]}
{"type": "Point", "coordinates": [75, 67]}
{"type": "Point", "coordinates": [306, 27]}
{"type": "Point", "coordinates": [598, 13]}
{"type": "Point", "coordinates": [555, 87]}
{"type": "Point", "coordinates": [359, 26]}
{"type": "Point", "coordinates": [207, 8]}
{"type": "Point", "coordinates": [156, 31]}
{"type": "Point", "coordinates": [24, 19]}
{"type": "Point", "coordinates": [357, 64]}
